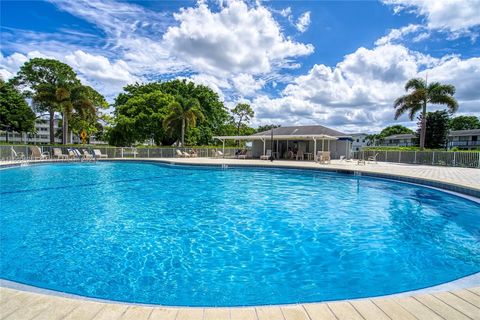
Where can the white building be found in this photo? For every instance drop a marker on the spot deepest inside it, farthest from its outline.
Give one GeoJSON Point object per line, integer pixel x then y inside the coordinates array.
{"type": "Point", "coordinates": [359, 141]}
{"type": "Point", "coordinates": [399, 140]}
{"type": "Point", "coordinates": [464, 139]}
{"type": "Point", "coordinates": [42, 135]}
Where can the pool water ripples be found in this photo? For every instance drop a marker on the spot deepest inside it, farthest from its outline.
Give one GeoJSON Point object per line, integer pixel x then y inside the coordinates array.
{"type": "Point", "coordinates": [199, 236]}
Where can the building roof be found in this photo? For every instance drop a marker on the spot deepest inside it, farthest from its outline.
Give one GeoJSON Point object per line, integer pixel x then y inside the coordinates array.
{"type": "Point", "coordinates": [400, 136]}
{"type": "Point", "coordinates": [458, 133]}
{"type": "Point", "coordinates": [315, 130]}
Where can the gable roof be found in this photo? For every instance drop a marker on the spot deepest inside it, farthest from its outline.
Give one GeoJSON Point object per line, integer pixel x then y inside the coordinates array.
{"type": "Point", "coordinates": [302, 130]}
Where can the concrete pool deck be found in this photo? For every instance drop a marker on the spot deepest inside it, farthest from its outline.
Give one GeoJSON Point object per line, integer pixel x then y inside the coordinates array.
{"type": "Point", "coordinates": [451, 302]}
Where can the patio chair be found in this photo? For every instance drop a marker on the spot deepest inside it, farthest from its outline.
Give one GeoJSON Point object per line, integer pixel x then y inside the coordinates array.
{"type": "Point", "coordinates": [242, 154]}
{"type": "Point", "coordinates": [37, 153]}
{"type": "Point", "coordinates": [99, 154]}
{"type": "Point", "coordinates": [57, 153]}
{"type": "Point", "coordinates": [373, 158]}
{"type": "Point", "coordinates": [218, 154]}
{"type": "Point", "coordinates": [267, 155]}
{"type": "Point", "coordinates": [193, 153]}
{"type": "Point", "coordinates": [87, 155]}
{"type": "Point", "coordinates": [17, 155]}
{"type": "Point", "coordinates": [299, 155]}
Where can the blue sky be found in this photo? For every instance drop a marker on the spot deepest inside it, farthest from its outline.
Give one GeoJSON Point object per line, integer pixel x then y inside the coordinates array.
{"type": "Point", "coordinates": [337, 63]}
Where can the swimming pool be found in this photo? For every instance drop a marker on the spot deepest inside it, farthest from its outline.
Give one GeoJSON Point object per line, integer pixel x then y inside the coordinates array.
{"type": "Point", "coordinates": [203, 236]}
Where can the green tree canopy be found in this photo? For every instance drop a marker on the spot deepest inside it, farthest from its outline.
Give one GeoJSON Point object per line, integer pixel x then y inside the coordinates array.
{"type": "Point", "coordinates": [183, 113]}
{"type": "Point", "coordinates": [242, 114]}
{"type": "Point", "coordinates": [396, 129]}
{"type": "Point", "coordinates": [419, 96]}
{"type": "Point", "coordinates": [140, 118]}
{"type": "Point", "coordinates": [215, 114]}
{"type": "Point", "coordinates": [437, 129]}
{"type": "Point", "coordinates": [15, 114]}
{"type": "Point", "coordinates": [47, 82]}
{"type": "Point", "coordinates": [267, 127]}
{"type": "Point", "coordinates": [464, 123]}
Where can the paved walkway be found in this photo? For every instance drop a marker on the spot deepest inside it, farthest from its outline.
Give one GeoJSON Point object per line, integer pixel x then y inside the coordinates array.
{"type": "Point", "coordinates": [456, 305]}
{"type": "Point", "coordinates": [453, 304]}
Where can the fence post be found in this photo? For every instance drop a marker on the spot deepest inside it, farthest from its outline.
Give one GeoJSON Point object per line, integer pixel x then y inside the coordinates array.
{"type": "Point", "coordinates": [386, 156]}
{"type": "Point", "coordinates": [478, 163]}
{"type": "Point", "coordinates": [121, 152]}
{"type": "Point", "coordinates": [454, 158]}
{"type": "Point", "coordinates": [148, 153]}
{"type": "Point", "coordinates": [415, 157]}
{"type": "Point", "coordinates": [433, 158]}
{"type": "Point", "coordinates": [399, 156]}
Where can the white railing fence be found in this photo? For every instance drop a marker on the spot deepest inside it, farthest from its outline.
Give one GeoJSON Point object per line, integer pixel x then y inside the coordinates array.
{"type": "Point", "coordinates": [19, 152]}
{"type": "Point", "coordinates": [435, 158]}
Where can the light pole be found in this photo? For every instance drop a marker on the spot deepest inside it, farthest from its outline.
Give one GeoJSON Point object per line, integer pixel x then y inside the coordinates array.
{"type": "Point", "coordinates": [271, 147]}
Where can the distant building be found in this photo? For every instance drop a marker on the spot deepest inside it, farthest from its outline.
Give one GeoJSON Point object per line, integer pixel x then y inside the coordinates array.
{"type": "Point", "coordinates": [464, 139]}
{"type": "Point", "coordinates": [399, 140]}
{"type": "Point", "coordinates": [42, 135]}
{"type": "Point", "coordinates": [359, 141]}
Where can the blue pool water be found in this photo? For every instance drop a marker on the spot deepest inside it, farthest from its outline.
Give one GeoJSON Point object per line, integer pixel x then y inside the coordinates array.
{"type": "Point", "coordinates": [191, 236]}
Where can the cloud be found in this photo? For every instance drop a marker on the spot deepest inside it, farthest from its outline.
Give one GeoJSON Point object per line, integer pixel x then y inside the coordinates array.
{"type": "Point", "coordinates": [456, 16]}
{"type": "Point", "coordinates": [235, 40]}
{"type": "Point", "coordinates": [303, 22]}
{"type": "Point", "coordinates": [246, 84]}
{"type": "Point", "coordinates": [357, 94]}
{"type": "Point", "coordinates": [111, 77]}
{"type": "Point", "coordinates": [398, 34]}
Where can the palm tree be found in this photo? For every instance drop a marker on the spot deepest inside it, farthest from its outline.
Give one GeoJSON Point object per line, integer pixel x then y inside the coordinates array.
{"type": "Point", "coordinates": [183, 112]}
{"type": "Point", "coordinates": [421, 95]}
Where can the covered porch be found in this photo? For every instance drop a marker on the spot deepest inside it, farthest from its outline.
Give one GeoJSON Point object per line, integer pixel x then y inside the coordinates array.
{"type": "Point", "coordinates": [289, 146]}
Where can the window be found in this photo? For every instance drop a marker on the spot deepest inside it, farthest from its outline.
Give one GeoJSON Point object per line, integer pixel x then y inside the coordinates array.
{"type": "Point", "coordinates": [358, 140]}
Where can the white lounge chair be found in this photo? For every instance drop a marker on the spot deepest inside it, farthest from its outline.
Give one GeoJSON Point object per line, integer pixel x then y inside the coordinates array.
{"type": "Point", "coordinates": [17, 155]}
{"type": "Point", "coordinates": [87, 155]}
{"type": "Point", "coordinates": [99, 154]}
{"type": "Point", "coordinates": [57, 153]}
{"type": "Point", "coordinates": [373, 158]}
{"type": "Point", "coordinates": [218, 154]}
{"type": "Point", "coordinates": [267, 155]}
{"type": "Point", "coordinates": [37, 153]}
{"type": "Point", "coordinates": [323, 157]}
{"type": "Point", "coordinates": [181, 154]}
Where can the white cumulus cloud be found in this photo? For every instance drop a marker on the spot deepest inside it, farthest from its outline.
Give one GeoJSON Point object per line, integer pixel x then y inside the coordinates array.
{"type": "Point", "coordinates": [303, 22]}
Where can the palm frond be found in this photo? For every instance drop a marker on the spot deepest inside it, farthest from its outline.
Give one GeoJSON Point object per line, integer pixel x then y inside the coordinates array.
{"type": "Point", "coordinates": [415, 83]}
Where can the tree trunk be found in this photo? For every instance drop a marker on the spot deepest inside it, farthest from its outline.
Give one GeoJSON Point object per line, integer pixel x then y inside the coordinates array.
{"type": "Point", "coordinates": [64, 129]}
{"type": "Point", "coordinates": [52, 126]}
{"type": "Point", "coordinates": [183, 132]}
{"type": "Point", "coordinates": [423, 127]}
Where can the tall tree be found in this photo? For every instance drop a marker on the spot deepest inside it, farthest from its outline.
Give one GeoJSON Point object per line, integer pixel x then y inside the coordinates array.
{"type": "Point", "coordinates": [40, 79]}
{"type": "Point", "coordinates": [15, 114]}
{"type": "Point", "coordinates": [182, 113]}
{"type": "Point", "coordinates": [437, 129]}
{"type": "Point", "coordinates": [420, 96]}
{"type": "Point", "coordinates": [86, 105]}
{"type": "Point", "coordinates": [464, 123]}
{"type": "Point", "coordinates": [242, 114]}
{"type": "Point", "coordinates": [212, 108]}
{"type": "Point", "coordinates": [140, 117]}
